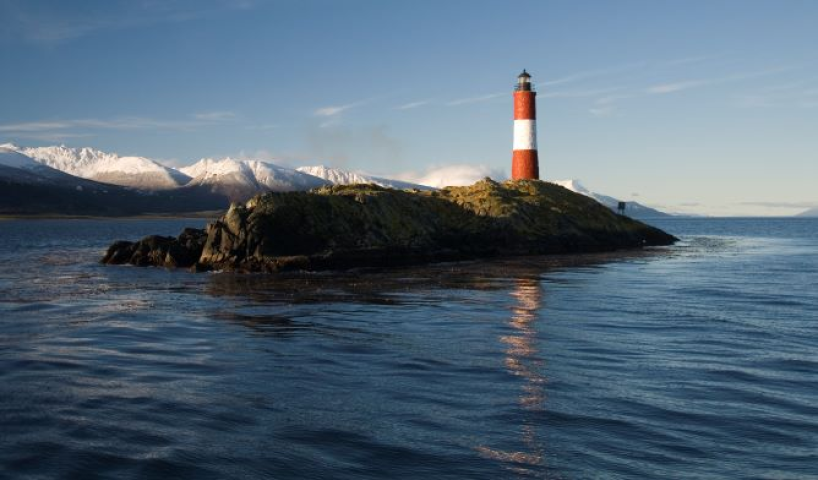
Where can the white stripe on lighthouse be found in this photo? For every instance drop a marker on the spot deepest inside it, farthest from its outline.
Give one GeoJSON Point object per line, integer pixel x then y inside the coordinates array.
{"type": "Point", "coordinates": [525, 135]}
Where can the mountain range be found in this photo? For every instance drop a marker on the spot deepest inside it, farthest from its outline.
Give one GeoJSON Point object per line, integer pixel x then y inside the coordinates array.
{"type": "Point", "coordinates": [337, 176]}
{"type": "Point", "coordinates": [239, 180]}
{"type": "Point", "coordinates": [632, 209]}
{"type": "Point", "coordinates": [29, 187]}
{"type": "Point", "coordinates": [136, 172]}
{"type": "Point", "coordinates": [65, 180]}
{"type": "Point", "coordinates": [812, 212]}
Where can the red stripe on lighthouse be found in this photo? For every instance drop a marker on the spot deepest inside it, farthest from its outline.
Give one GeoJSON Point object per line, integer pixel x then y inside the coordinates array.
{"type": "Point", "coordinates": [525, 165]}
{"type": "Point", "coordinates": [525, 107]}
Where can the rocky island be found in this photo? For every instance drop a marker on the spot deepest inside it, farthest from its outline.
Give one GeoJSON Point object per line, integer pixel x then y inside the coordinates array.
{"type": "Point", "coordinates": [342, 227]}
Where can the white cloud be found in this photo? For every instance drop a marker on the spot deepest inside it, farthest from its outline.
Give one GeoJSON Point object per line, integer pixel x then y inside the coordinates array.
{"type": "Point", "coordinates": [579, 93]}
{"type": "Point", "coordinates": [218, 116]}
{"type": "Point", "coordinates": [796, 94]}
{"type": "Point", "coordinates": [611, 99]}
{"type": "Point", "coordinates": [41, 23]}
{"type": "Point", "coordinates": [333, 122]}
{"type": "Point", "coordinates": [263, 154]}
{"type": "Point", "coordinates": [33, 126]}
{"type": "Point", "coordinates": [607, 106]}
{"type": "Point", "coordinates": [603, 111]}
{"type": "Point", "coordinates": [677, 86]}
{"type": "Point", "coordinates": [787, 87]}
{"type": "Point", "coordinates": [60, 130]}
{"type": "Point", "coordinates": [337, 110]}
{"type": "Point", "coordinates": [481, 98]}
{"type": "Point", "coordinates": [263, 126]}
{"type": "Point", "coordinates": [333, 110]}
{"type": "Point", "coordinates": [593, 73]}
{"type": "Point", "coordinates": [118, 123]}
{"type": "Point", "coordinates": [51, 136]}
{"type": "Point", "coordinates": [757, 101]}
{"type": "Point", "coordinates": [407, 106]}
{"type": "Point", "coordinates": [452, 175]}
{"type": "Point", "coordinates": [691, 60]}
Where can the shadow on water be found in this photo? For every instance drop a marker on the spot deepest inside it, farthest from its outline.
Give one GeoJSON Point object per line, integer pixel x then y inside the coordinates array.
{"type": "Point", "coordinates": [268, 324]}
{"type": "Point", "coordinates": [397, 285]}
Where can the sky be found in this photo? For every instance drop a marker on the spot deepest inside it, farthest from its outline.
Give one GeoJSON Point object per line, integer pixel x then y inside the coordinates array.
{"type": "Point", "coordinates": [706, 107]}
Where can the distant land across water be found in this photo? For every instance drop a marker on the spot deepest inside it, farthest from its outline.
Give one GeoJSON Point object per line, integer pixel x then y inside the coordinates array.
{"type": "Point", "coordinates": [59, 180]}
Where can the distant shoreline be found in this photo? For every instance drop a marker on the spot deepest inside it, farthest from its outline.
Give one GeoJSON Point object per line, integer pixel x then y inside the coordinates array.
{"type": "Point", "coordinates": [208, 214]}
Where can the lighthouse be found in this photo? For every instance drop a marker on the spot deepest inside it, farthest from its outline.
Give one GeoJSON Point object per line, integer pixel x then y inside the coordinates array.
{"type": "Point", "coordinates": [524, 161]}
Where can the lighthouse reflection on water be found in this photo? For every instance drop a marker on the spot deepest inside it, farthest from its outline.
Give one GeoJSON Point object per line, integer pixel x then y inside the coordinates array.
{"type": "Point", "coordinates": [523, 361]}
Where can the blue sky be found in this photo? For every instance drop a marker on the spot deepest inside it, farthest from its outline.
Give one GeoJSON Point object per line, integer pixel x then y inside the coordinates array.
{"type": "Point", "coordinates": [695, 106]}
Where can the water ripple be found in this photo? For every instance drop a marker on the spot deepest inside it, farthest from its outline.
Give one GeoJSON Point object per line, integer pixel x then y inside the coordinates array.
{"type": "Point", "coordinates": [696, 361]}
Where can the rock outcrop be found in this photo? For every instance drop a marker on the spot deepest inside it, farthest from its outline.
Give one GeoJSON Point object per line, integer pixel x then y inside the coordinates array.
{"type": "Point", "coordinates": [340, 227]}
{"type": "Point", "coordinates": [155, 250]}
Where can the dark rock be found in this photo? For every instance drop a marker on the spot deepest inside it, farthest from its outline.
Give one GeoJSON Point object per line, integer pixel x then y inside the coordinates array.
{"type": "Point", "coordinates": [118, 253]}
{"type": "Point", "coordinates": [342, 227]}
{"type": "Point", "coordinates": [183, 251]}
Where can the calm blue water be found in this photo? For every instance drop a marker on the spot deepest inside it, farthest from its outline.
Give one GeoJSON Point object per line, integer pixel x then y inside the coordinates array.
{"type": "Point", "coordinates": [695, 361]}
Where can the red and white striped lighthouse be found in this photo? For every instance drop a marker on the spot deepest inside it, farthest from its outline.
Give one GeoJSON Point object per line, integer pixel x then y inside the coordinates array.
{"type": "Point", "coordinates": [524, 161]}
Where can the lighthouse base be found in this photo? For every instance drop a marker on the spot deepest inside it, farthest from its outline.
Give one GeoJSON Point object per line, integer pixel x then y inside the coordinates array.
{"type": "Point", "coordinates": [525, 165]}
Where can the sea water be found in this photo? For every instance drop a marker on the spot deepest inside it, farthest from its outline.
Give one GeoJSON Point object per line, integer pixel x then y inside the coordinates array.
{"type": "Point", "coordinates": [693, 361]}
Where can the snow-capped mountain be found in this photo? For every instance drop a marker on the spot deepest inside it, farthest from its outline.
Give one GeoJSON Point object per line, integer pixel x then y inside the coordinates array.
{"type": "Point", "coordinates": [12, 158]}
{"type": "Point", "coordinates": [337, 176]}
{"type": "Point", "coordinates": [633, 209]}
{"type": "Point", "coordinates": [137, 172]}
{"type": "Point", "coordinates": [241, 179]}
{"type": "Point", "coordinates": [29, 187]}
{"type": "Point", "coordinates": [812, 212]}
{"type": "Point", "coordinates": [21, 168]}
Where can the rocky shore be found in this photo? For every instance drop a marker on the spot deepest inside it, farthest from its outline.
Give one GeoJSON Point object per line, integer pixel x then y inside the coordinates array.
{"type": "Point", "coordinates": [342, 227]}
